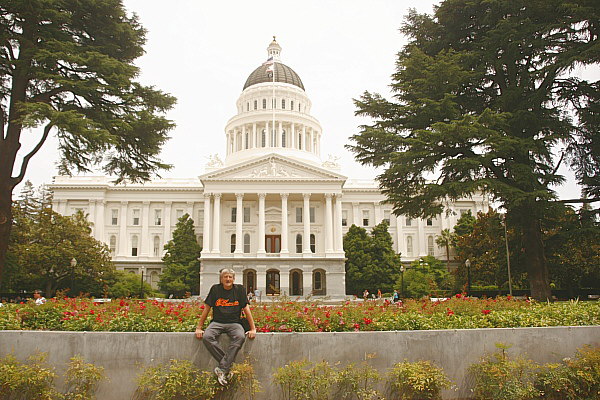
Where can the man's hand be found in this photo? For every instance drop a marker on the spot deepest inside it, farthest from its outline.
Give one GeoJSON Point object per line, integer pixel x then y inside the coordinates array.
{"type": "Point", "coordinates": [251, 334]}
{"type": "Point", "coordinates": [199, 333]}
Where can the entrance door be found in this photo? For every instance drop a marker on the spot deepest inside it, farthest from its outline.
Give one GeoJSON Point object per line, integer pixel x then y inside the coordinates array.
{"type": "Point", "coordinates": [296, 284]}
{"type": "Point", "coordinates": [273, 243]}
{"type": "Point", "coordinates": [272, 283]}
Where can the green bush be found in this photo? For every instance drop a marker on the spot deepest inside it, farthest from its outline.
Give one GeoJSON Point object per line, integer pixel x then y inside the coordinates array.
{"type": "Point", "coordinates": [500, 378]}
{"type": "Point", "coordinates": [82, 379]}
{"type": "Point", "coordinates": [417, 380]}
{"type": "Point", "coordinates": [303, 380]}
{"type": "Point", "coordinates": [32, 380]}
{"type": "Point", "coordinates": [357, 382]}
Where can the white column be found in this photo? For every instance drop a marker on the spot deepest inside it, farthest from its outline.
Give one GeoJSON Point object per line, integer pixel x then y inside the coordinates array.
{"type": "Point", "coordinates": [167, 222]}
{"type": "Point", "coordinates": [216, 239]}
{"type": "Point", "coordinates": [355, 216]}
{"type": "Point", "coordinates": [401, 247]}
{"type": "Point", "coordinates": [244, 137]}
{"type": "Point", "coordinates": [100, 221]}
{"type": "Point", "coordinates": [234, 133]}
{"type": "Point", "coordinates": [239, 219]}
{"type": "Point", "coordinates": [123, 229]}
{"type": "Point", "coordinates": [312, 140]}
{"type": "Point", "coordinates": [378, 217]}
{"type": "Point", "coordinates": [306, 221]}
{"type": "Point", "coordinates": [422, 243]}
{"type": "Point", "coordinates": [304, 138]}
{"type": "Point", "coordinates": [254, 138]}
{"type": "Point", "coordinates": [190, 209]}
{"type": "Point", "coordinates": [261, 224]}
{"type": "Point", "coordinates": [145, 242]}
{"type": "Point", "coordinates": [328, 223]}
{"type": "Point", "coordinates": [293, 142]}
{"type": "Point", "coordinates": [280, 134]}
{"type": "Point", "coordinates": [284, 225]}
{"type": "Point", "coordinates": [92, 217]}
{"type": "Point", "coordinates": [206, 227]}
{"type": "Point", "coordinates": [338, 232]}
{"type": "Point", "coordinates": [268, 135]}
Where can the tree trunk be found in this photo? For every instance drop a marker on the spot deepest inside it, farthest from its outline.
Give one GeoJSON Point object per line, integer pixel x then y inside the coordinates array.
{"type": "Point", "coordinates": [5, 223]}
{"type": "Point", "coordinates": [537, 269]}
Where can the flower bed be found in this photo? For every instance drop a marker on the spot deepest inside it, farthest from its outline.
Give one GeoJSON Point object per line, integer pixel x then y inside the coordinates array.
{"type": "Point", "coordinates": [81, 314]}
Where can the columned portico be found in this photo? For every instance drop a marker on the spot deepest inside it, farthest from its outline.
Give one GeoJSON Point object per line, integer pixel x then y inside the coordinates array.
{"type": "Point", "coordinates": [328, 224]}
{"type": "Point", "coordinates": [206, 227]}
{"type": "Point", "coordinates": [261, 224]}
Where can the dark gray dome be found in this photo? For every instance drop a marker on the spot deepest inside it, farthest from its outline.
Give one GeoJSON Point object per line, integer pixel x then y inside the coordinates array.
{"type": "Point", "coordinates": [283, 74]}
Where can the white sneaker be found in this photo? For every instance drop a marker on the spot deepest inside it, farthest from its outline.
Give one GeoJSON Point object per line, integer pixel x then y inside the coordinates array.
{"type": "Point", "coordinates": [220, 376]}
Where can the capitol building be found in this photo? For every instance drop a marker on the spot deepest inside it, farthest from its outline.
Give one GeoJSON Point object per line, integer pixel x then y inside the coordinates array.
{"type": "Point", "coordinates": [272, 209]}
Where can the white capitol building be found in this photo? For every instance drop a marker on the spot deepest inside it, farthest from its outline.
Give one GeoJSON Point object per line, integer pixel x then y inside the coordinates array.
{"type": "Point", "coordinates": [273, 210]}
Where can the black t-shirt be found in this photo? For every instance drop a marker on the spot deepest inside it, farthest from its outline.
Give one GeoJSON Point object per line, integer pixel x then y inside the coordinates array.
{"type": "Point", "coordinates": [227, 305]}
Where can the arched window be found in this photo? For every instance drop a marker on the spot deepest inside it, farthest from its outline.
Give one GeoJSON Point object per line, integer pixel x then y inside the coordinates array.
{"type": "Point", "coordinates": [409, 245]}
{"type": "Point", "coordinates": [233, 243]}
{"type": "Point", "coordinates": [156, 246]}
{"type": "Point", "coordinates": [264, 104]}
{"type": "Point", "coordinates": [249, 280]}
{"type": "Point", "coordinates": [113, 245]}
{"type": "Point", "coordinates": [283, 138]}
{"type": "Point", "coordinates": [296, 283]}
{"type": "Point", "coordinates": [246, 140]}
{"type": "Point", "coordinates": [263, 140]}
{"type": "Point", "coordinates": [319, 282]}
{"type": "Point", "coordinates": [273, 287]}
{"type": "Point", "coordinates": [256, 104]}
{"type": "Point", "coordinates": [134, 245]}
{"type": "Point", "coordinates": [313, 243]}
{"type": "Point", "coordinates": [430, 248]}
{"type": "Point", "coordinates": [298, 243]}
{"type": "Point", "coordinates": [247, 243]}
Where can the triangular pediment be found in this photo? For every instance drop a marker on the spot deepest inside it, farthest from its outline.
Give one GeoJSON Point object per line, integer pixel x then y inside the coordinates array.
{"type": "Point", "coordinates": [272, 167]}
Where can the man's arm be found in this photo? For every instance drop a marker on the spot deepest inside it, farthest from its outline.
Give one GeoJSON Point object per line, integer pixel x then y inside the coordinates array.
{"type": "Point", "coordinates": [252, 332]}
{"type": "Point", "coordinates": [199, 331]}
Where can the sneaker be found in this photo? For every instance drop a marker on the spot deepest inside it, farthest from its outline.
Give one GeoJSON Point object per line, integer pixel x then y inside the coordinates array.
{"type": "Point", "coordinates": [221, 376]}
{"type": "Point", "coordinates": [229, 376]}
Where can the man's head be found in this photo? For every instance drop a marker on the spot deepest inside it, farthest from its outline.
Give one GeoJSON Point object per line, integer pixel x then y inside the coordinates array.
{"type": "Point", "coordinates": [227, 278]}
{"type": "Point", "coordinates": [37, 294]}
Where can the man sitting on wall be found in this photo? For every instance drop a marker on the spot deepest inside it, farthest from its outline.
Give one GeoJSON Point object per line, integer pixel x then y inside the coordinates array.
{"type": "Point", "coordinates": [227, 301]}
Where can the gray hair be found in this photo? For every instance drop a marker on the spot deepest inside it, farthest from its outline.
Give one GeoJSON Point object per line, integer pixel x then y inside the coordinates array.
{"type": "Point", "coordinates": [226, 271]}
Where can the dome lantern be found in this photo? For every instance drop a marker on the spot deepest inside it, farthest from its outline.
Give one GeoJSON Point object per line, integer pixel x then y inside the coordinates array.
{"type": "Point", "coordinates": [274, 50]}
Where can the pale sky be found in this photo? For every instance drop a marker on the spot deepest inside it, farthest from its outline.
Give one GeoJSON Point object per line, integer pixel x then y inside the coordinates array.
{"type": "Point", "coordinates": [202, 52]}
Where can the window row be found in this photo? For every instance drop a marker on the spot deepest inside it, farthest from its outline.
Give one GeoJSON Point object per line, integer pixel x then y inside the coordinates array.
{"type": "Point", "coordinates": [430, 246]}
{"type": "Point", "coordinates": [299, 214]}
{"type": "Point", "coordinates": [135, 246]}
{"type": "Point", "coordinates": [271, 140]}
{"type": "Point", "coordinates": [285, 105]}
{"type": "Point", "coordinates": [273, 243]}
{"type": "Point", "coordinates": [136, 219]}
{"type": "Point", "coordinates": [296, 285]}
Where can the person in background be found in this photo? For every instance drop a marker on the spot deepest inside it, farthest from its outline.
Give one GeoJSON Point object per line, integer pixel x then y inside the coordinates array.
{"type": "Point", "coordinates": [38, 298]}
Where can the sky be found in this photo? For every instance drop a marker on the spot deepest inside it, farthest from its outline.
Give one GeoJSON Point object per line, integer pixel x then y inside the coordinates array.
{"type": "Point", "coordinates": [202, 52]}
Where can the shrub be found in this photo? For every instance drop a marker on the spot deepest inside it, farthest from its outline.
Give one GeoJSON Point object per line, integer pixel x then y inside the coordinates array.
{"type": "Point", "coordinates": [417, 380]}
{"type": "Point", "coordinates": [500, 378]}
{"type": "Point", "coordinates": [32, 380]}
{"type": "Point", "coordinates": [357, 381]}
{"type": "Point", "coordinates": [303, 380]}
{"type": "Point", "coordinates": [82, 379]}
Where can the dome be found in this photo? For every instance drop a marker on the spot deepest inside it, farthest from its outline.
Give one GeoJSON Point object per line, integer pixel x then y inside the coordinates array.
{"type": "Point", "coordinates": [283, 74]}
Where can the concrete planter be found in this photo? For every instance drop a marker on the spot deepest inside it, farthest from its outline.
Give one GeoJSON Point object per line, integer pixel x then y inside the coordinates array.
{"type": "Point", "coordinates": [122, 354]}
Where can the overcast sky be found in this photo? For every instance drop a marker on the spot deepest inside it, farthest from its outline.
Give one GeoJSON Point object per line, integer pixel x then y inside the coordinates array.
{"type": "Point", "coordinates": [202, 52]}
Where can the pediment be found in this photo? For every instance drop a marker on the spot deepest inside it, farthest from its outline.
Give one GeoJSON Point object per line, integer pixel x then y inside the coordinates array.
{"type": "Point", "coordinates": [272, 167]}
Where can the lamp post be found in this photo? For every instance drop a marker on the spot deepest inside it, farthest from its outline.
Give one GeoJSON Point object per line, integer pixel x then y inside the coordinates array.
{"type": "Point", "coordinates": [142, 283]}
{"type": "Point", "coordinates": [507, 257]}
{"type": "Point", "coordinates": [402, 281]}
{"type": "Point", "coordinates": [73, 265]}
{"type": "Point", "coordinates": [468, 265]}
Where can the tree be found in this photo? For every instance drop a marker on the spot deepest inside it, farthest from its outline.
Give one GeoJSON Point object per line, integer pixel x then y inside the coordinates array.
{"type": "Point", "coordinates": [43, 244]}
{"type": "Point", "coordinates": [464, 225]}
{"type": "Point", "coordinates": [425, 276]}
{"type": "Point", "coordinates": [481, 94]}
{"type": "Point", "coordinates": [68, 67]}
{"type": "Point", "coordinates": [127, 284]}
{"type": "Point", "coordinates": [371, 262]}
{"type": "Point", "coordinates": [445, 240]}
{"type": "Point", "coordinates": [182, 268]}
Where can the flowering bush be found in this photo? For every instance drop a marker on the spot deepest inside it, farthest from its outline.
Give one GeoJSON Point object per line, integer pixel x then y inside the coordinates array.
{"type": "Point", "coordinates": [459, 312]}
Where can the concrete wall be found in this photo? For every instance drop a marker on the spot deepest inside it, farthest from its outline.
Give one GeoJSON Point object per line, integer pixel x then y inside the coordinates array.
{"type": "Point", "coordinates": [122, 354]}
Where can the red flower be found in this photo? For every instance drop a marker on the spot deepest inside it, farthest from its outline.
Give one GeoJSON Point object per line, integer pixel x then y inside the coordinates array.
{"type": "Point", "coordinates": [458, 295]}
{"type": "Point", "coordinates": [485, 312]}
{"type": "Point", "coordinates": [449, 311]}
{"type": "Point", "coordinates": [356, 327]}
{"type": "Point", "coordinates": [367, 321]}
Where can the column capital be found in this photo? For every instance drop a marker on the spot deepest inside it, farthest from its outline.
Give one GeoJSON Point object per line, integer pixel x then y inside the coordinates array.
{"type": "Point", "coordinates": [284, 195]}
{"type": "Point", "coordinates": [355, 203]}
{"type": "Point", "coordinates": [146, 203]}
{"type": "Point", "coordinates": [217, 195]}
{"type": "Point", "coordinates": [329, 195]}
{"type": "Point", "coordinates": [124, 203]}
{"type": "Point", "coordinates": [190, 203]}
{"type": "Point", "coordinates": [207, 196]}
{"type": "Point", "coordinates": [168, 203]}
{"type": "Point", "coordinates": [239, 195]}
{"type": "Point", "coordinates": [338, 196]}
{"type": "Point", "coordinates": [262, 195]}
{"type": "Point", "coordinates": [306, 195]}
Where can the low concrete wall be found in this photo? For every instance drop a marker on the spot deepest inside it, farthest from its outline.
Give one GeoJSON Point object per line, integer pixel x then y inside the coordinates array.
{"type": "Point", "coordinates": [123, 354]}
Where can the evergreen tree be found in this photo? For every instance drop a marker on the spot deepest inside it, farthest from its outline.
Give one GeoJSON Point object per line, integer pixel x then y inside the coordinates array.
{"type": "Point", "coordinates": [445, 240]}
{"type": "Point", "coordinates": [371, 262]}
{"type": "Point", "coordinates": [68, 67]}
{"type": "Point", "coordinates": [182, 268]}
{"type": "Point", "coordinates": [481, 99]}
{"type": "Point", "coordinates": [464, 225]}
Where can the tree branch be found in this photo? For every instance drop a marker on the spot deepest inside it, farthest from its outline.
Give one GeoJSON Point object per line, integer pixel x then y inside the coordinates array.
{"type": "Point", "coordinates": [585, 201]}
{"type": "Point", "coordinates": [562, 157]}
{"type": "Point", "coordinates": [37, 147]}
{"type": "Point", "coordinates": [45, 97]}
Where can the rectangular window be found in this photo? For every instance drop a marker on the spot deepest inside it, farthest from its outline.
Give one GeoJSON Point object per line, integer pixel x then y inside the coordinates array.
{"type": "Point", "coordinates": [246, 214]}
{"type": "Point", "coordinates": [256, 104]}
{"type": "Point", "coordinates": [179, 213]}
{"type": "Point", "coordinates": [292, 105]}
{"type": "Point", "coordinates": [233, 214]}
{"type": "Point", "coordinates": [264, 104]}
{"type": "Point", "coordinates": [408, 222]}
{"type": "Point", "coordinates": [299, 215]}
{"type": "Point", "coordinates": [283, 104]}
{"type": "Point", "coordinates": [409, 245]}
{"type": "Point", "coordinates": [136, 216]}
{"type": "Point", "coordinates": [311, 210]}
{"type": "Point", "coordinates": [365, 217]}
{"type": "Point", "coordinates": [429, 222]}
{"type": "Point", "coordinates": [344, 218]}
{"type": "Point", "coordinates": [246, 243]}
{"type": "Point", "coordinates": [114, 217]}
{"type": "Point", "coordinates": [157, 217]}
{"type": "Point", "coordinates": [386, 216]}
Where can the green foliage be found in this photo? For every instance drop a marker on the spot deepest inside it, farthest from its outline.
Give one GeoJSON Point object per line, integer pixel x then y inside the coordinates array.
{"type": "Point", "coordinates": [499, 377]}
{"type": "Point", "coordinates": [371, 262]}
{"type": "Point", "coordinates": [304, 380]}
{"type": "Point", "coordinates": [417, 380]}
{"type": "Point", "coordinates": [357, 381]}
{"type": "Point", "coordinates": [424, 277]}
{"type": "Point", "coordinates": [127, 284]}
{"type": "Point", "coordinates": [181, 380]}
{"type": "Point", "coordinates": [476, 107]}
{"type": "Point", "coordinates": [82, 379]}
{"type": "Point", "coordinates": [182, 269]}
{"type": "Point", "coordinates": [464, 225]}
{"type": "Point", "coordinates": [43, 243]}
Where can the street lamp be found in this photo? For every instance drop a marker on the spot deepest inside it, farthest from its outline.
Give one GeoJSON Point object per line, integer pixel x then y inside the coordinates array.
{"type": "Point", "coordinates": [468, 265]}
{"type": "Point", "coordinates": [402, 281]}
{"type": "Point", "coordinates": [142, 283]}
{"type": "Point", "coordinates": [507, 257]}
{"type": "Point", "coordinates": [73, 265]}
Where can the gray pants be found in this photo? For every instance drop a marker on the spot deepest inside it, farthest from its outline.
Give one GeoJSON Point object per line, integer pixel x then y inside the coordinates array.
{"type": "Point", "coordinates": [211, 341]}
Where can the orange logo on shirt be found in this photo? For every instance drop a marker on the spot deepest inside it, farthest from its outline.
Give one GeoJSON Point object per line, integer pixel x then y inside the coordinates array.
{"type": "Point", "coordinates": [226, 303]}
